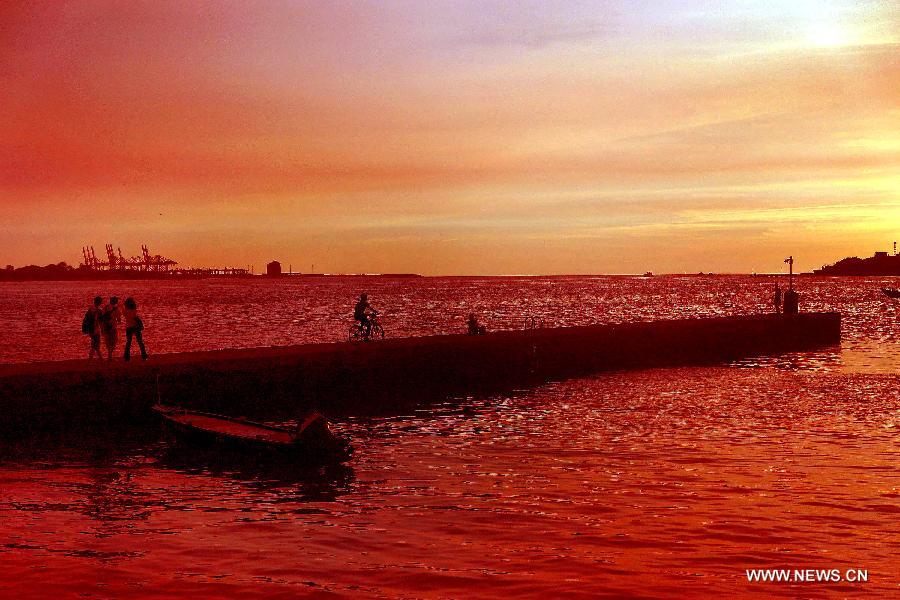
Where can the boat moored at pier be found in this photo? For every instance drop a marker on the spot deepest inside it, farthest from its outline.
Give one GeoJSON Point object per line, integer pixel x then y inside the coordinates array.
{"type": "Point", "coordinates": [311, 440]}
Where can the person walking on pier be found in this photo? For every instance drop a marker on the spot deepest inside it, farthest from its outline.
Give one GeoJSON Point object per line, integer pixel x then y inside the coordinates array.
{"type": "Point", "coordinates": [109, 325]}
{"type": "Point", "coordinates": [778, 298]}
{"type": "Point", "coordinates": [134, 328]}
{"type": "Point", "coordinates": [90, 326]}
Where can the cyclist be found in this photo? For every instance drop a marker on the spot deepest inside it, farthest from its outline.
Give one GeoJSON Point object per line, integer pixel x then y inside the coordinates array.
{"type": "Point", "coordinates": [362, 313]}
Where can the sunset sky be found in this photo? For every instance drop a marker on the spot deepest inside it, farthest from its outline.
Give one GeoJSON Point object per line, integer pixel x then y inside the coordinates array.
{"type": "Point", "coordinates": [452, 137]}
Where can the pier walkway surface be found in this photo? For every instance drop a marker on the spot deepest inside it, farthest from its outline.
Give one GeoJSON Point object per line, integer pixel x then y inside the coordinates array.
{"type": "Point", "coordinates": [385, 375]}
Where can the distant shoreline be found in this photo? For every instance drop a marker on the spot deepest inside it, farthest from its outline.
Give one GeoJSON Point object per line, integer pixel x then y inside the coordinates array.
{"type": "Point", "coordinates": [126, 276]}
{"type": "Point", "coordinates": [881, 264]}
{"type": "Point", "coordinates": [131, 276]}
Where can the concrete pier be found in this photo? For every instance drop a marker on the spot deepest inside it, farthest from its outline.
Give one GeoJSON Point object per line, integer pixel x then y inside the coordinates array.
{"type": "Point", "coordinates": [382, 376]}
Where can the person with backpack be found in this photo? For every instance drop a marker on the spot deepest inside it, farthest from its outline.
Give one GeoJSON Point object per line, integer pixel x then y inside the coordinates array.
{"type": "Point", "coordinates": [134, 328]}
{"type": "Point", "coordinates": [109, 325]}
{"type": "Point", "coordinates": [90, 326]}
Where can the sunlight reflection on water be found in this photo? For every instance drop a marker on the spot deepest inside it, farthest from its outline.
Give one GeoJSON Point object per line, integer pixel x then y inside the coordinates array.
{"type": "Point", "coordinates": [211, 314]}
{"type": "Point", "coordinates": [665, 482]}
{"type": "Point", "coordinates": [669, 481]}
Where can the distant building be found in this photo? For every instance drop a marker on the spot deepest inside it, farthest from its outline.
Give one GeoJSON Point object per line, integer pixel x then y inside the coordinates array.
{"type": "Point", "coordinates": [273, 269]}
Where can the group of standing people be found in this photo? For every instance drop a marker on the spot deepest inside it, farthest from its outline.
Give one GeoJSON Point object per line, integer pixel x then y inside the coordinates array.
{"type": "Point", "coordinates": [102, 321]}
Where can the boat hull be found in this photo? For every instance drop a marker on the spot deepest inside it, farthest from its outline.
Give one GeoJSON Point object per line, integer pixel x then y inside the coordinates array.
{"type": "Point", "coordinates": [333, 448]}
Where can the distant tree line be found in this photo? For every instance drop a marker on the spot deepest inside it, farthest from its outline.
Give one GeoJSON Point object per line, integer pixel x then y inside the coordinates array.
{"type": "Point", "coordinates": [60, 270]}
{"type": "Point", "coordinates": [882, 264]}
{"type": "Point", "coordinates": [63, 271]}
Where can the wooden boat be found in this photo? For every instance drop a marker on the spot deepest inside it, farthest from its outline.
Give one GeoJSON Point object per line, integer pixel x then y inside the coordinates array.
{"type": "Point", "coordinates": [311, 439]}
{"type": "Point", "coordinates": [891, 293]}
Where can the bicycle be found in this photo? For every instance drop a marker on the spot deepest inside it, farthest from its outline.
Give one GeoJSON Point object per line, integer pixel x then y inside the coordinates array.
{"type": "Point", "coordinates": [357, 331]}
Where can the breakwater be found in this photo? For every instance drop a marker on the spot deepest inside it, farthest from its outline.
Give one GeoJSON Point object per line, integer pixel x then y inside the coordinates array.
{"type": "Point", "coordinates": [382, 376]}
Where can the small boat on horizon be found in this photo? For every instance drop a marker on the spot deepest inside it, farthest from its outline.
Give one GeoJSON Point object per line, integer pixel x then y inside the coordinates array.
{"type": "Point", "coordinates": [312, 439]}
{"type": "Point", "coordinates": [891, 293]}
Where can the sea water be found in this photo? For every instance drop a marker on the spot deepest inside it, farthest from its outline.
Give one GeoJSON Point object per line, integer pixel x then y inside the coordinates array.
{"type": "Point", "coordinates": [650, 483]}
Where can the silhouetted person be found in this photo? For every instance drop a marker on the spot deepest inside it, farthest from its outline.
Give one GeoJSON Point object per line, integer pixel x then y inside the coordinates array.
{"type": "Point", "coordinates": [90, 326]}
{"type": "Point", "coordinates": [474, 327]}
{"type": "Point", "coordinates": [109, 325]}
{"type": "Point", "coordinates": [362, 312]}
{"type": "Point", "coordinates": [134, 328]}
{"type": "Point", "coordinates": [791, 304]}
{"type": "Point", "coordinates": [778, 298]}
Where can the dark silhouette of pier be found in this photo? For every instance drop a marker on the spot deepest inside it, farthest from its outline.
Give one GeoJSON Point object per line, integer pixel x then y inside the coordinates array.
{"type": "Point", "coordinates": [383, 376]}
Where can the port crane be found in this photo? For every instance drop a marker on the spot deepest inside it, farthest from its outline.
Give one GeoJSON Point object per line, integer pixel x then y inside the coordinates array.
{"type": "Point", "coordinates": [115, 261]}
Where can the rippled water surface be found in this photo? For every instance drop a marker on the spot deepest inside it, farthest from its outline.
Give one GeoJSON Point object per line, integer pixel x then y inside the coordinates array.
{"type": "Point", "coordinates": [654, 483]}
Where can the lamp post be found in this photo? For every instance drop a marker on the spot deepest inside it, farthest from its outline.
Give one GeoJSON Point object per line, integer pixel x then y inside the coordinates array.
{"type": "Point", "coordinates": [790, 261]}
{"type": "Point", "coordinates": [791, 298]}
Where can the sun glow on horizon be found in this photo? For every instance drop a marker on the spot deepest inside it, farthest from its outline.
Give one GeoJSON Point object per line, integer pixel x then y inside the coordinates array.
{"type": "Point", "coordinates": [829, 35]}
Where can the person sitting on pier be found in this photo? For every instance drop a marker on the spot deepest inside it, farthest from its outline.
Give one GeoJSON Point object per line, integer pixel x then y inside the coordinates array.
{"type": "Point", "coordinates": [474, 327]}
{"type": "Point", "coordinates": [362, 311]}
